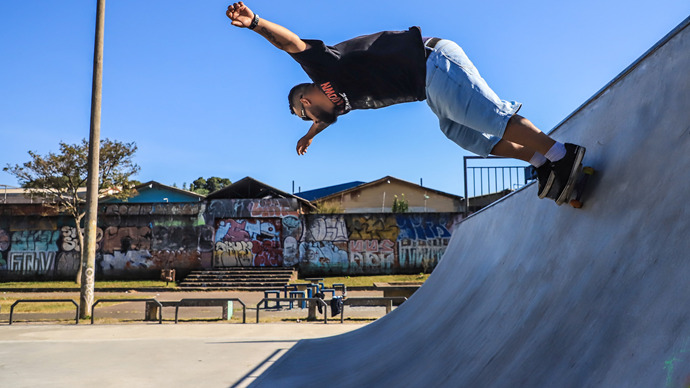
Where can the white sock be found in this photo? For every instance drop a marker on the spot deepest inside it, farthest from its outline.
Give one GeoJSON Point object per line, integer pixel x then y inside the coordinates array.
{"type": "Point", "coordinates": [556, 153]}
{"type": "Point", "coordinates": [537, 160]}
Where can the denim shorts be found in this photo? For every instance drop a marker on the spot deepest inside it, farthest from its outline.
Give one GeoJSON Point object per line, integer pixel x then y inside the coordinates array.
{"type": "Point", "coordinates": [469, 112]}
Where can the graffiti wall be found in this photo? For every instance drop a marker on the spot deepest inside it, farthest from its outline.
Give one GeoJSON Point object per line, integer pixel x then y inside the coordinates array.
{"type": "Point", "coordinates": [374, 243]}
{"type": "Point", "coordinates": [29, 251]}
{"type": "Point", "coordinates": [138, 240]}
{"type": "Point", "coordinates": [255, 232]}
{"type": "Point", "coordinates": [248, 243]}
{"type": "Point", "coordinates": [133, 241]}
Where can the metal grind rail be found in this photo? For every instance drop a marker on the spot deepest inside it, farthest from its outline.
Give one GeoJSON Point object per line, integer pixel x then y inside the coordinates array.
{"type": "Point", "coordinates": [151, 300]}
{"type": "Point", "coordinates": [76, 317]}
{"type": "Point", "coordinates": [317, 300]}
{"type": "Point", "coordinates": [192, 302]}
{"type": "Point", "coordinates": [386, 301]}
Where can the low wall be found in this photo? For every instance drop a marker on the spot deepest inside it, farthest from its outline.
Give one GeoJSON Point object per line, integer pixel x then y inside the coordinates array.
{"type": "Point", "coordinates": [136, 241]}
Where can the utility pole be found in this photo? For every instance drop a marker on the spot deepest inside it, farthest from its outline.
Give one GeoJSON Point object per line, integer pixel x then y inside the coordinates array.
{"type": "Point", "coordinates": [88, 251]}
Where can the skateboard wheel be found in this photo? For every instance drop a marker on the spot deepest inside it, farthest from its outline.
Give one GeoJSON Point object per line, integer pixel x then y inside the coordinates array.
{"type": "Point", "coordinates": [575, 203]}
{"type": "Point", "coordinates": [588, 170]}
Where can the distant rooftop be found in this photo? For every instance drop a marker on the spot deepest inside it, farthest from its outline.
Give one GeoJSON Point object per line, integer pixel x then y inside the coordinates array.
{"type": "Point", "coordinates": [312, 195]}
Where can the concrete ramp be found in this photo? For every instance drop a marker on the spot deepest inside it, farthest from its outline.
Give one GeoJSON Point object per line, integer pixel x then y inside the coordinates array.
{"type": "Point", "coordinates": [530, 294]}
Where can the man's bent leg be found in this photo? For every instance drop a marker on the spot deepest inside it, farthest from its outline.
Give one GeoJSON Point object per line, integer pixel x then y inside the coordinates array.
{"type": "Point", "coordinates": [456, 91]}
{"type": "Point", "coordinates": [508, 149]}
{"type": "Point", "coordinates": [521, 131]}
{"type": "Point", "coordinates": [544, 174]}
{"type": "Point", "coordinates": [469, 139]}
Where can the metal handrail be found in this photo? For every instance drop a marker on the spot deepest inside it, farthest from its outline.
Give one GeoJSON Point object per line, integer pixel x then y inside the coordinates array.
{"type": "Point", "coordinates": [160, 307]}
{"type": "Point", "coordinates": [323, 304]}
{"type": "Point", "coordinates": [495, 172]}
{"type": "Point", "coordinates": [390, 299]}
{"type": "Point", "coordinates": [76, 317]}
{"type": "Point", "coordinates": [244, 307]}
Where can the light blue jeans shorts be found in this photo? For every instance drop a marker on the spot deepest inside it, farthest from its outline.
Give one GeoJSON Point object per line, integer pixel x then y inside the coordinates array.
{"type": "Point", "coordinates": [469, 112]}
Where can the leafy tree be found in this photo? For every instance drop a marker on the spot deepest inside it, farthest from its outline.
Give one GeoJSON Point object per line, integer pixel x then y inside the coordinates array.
{"type": "Point", "coordinates": [58, 177]}
{"type": "Point", "coordinates": [204, 186]}
{"type": "Point", "coordinates": [215, 183]}
{"type": "Point", "coordinates": [198, 186]}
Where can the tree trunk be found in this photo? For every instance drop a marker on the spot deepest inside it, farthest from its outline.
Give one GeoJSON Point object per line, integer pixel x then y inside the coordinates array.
{"type": "Point", "coordinates": [80, 238]}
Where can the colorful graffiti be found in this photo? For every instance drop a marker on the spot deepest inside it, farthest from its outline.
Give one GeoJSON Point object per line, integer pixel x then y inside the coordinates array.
{"type": "Point", "coordinates": [292, 234]}
{"type": "Point", "coordinates": [119, 250]}
{"type": "Point", "coordinates": [171, 245]}
{"type": "Point", "coordinates": [327, 228]}
{"type": "Point", "coordinates": [36, 262]}
{"type": "Point", "coordinates": [248, 242]}
{"type": "Point", "coordinates": [278, 207]}
{"type": "Point", "coordinates": [422, 241]}
{"type": "Point", "coordinates": [145, 238]}
{"type": "Point", "coordinates": [325, 255]}
{"type": "Point", "coordinates": [32, 251]}
{"type": "Point", "coordinates": [371, 255]}
{"type": "Point", "coordinates": [69, 256]}
{"type": "Point", "coordinates": [372, 227]}
{"type": "Point", "coordinates": [5, 239]}
{"type": "Point", "coordinates": [375, 243]}
{"type": "Point", "coordinates": [35, 240]}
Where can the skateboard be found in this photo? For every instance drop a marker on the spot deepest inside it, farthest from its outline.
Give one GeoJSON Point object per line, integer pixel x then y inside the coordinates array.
{"type": "Point", "coordinates": [578, 187]}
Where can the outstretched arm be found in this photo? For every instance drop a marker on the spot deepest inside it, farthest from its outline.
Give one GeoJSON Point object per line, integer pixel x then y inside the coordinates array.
{"type": "Point", "coordinates": [278, 35]}
{"type": "Point", "coordinates": [305, 141]}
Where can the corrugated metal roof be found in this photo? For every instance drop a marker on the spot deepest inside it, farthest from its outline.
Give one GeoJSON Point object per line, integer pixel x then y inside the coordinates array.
{"type": "Point", "coordinates": [311, 195]}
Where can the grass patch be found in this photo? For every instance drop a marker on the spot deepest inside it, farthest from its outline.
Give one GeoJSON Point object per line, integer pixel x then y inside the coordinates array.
{"type": "Point", "coordinates": [367, 281]}
{"type": "Point", "coordinates": [53, 307]}
{"type": "Point", "coordinates": [349, 281]}
{"type": "Point", "coordinates": [37, 307]}
{"type": "Point", "coordinates": [99, 284]}
{"type": "Point", "coordinates": [59, 321]}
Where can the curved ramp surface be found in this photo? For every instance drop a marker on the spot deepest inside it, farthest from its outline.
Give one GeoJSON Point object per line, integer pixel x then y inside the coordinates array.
{"type": "Point", "coordinates": [530, 294]}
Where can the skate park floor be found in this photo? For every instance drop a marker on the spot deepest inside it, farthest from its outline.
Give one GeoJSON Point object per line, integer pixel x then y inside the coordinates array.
{"type": "Point", "coordinates": [121, 349]}
{"type": "Point", "coordinates": [148, 354]}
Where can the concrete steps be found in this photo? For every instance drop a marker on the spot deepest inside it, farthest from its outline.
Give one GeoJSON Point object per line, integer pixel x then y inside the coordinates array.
{"type": "Point", "coordinates": [239, 278]}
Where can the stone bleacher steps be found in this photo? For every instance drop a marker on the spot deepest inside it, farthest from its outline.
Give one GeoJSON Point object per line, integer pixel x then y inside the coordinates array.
{"type": "Point", "coordinates": [239, 278]}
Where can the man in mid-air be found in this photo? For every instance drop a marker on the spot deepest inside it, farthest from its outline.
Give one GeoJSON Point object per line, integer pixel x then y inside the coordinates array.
{"type": "Point", "coordinates": [392, 67]}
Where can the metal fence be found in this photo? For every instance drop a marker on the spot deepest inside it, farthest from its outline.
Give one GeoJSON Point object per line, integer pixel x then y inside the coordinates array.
{"type": "Point", "coordinates": [490, 178]}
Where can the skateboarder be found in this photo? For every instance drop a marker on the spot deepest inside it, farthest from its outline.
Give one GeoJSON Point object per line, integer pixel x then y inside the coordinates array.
{"type": "Point", "coordinates": [391, 67]}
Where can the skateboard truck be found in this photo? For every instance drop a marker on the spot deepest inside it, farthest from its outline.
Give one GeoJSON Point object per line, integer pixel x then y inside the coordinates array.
{"type": "Point", "coordinates": [580, 186]}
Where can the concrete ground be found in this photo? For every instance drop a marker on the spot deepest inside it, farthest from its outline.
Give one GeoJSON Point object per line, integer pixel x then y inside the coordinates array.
{"type": "Point", "coordinates": [147, 354]}
{"type": "Point", "coordinates": [120, 349]}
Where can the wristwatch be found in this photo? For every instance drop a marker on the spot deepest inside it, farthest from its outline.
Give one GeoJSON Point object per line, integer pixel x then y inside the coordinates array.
{"type": "Point", "coordinates": [255, 22]}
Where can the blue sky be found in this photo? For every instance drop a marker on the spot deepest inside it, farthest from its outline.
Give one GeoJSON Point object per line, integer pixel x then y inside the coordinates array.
{"type": "Point", "coordinates": [200, 97]}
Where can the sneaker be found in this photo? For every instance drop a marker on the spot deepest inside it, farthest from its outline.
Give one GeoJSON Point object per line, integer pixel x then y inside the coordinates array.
{"type": "Point", "coordinates": [545, 177]}
{"type": "Point", "coordinates": [565, 173]}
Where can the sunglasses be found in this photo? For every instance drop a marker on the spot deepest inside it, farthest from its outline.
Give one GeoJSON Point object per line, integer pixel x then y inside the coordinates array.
{"type": "Point", "coordinates": [303, 114]}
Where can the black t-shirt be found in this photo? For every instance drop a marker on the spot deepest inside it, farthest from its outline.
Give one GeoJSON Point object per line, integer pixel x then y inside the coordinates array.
{"type": "Point", "coordinates": [373, 71]}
